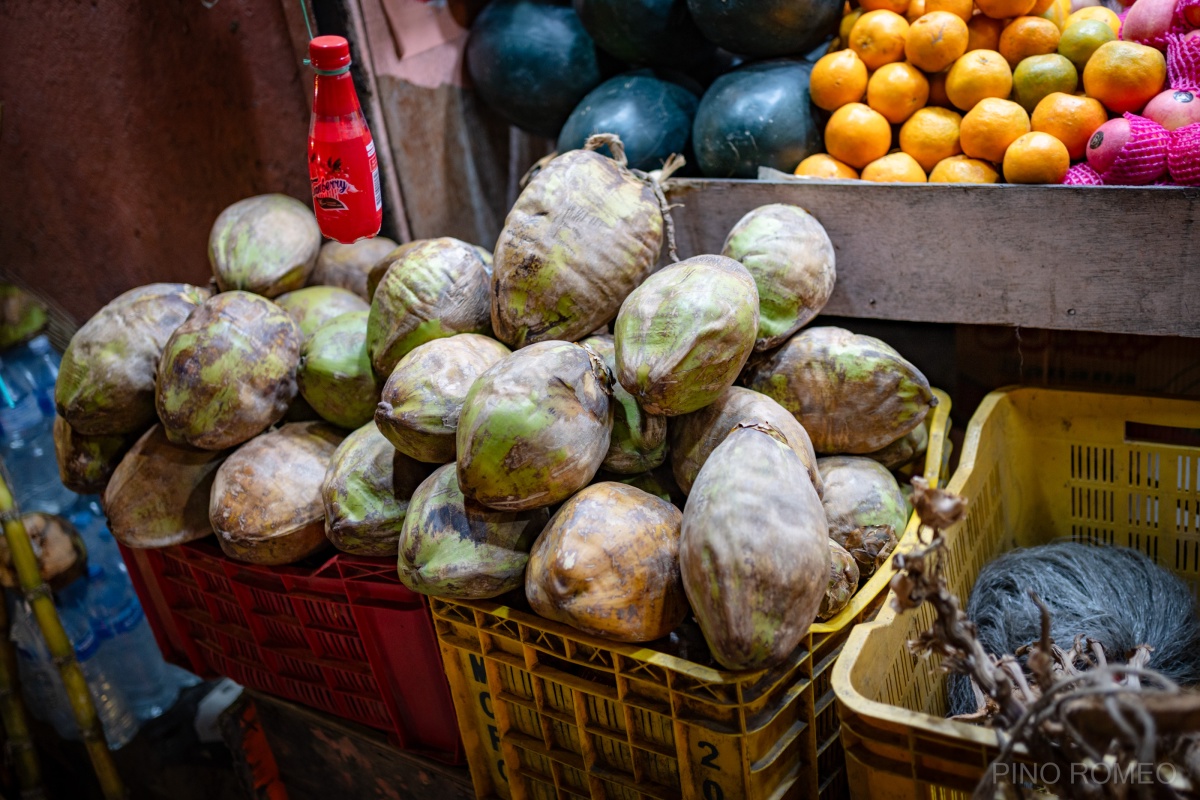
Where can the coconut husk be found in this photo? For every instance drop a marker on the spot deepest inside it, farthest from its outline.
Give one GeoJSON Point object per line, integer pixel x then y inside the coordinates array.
{"type": "Point", "coordinates": [347, 266]}
{"type": "Point", "coordinates": [313, 306]}
{"type": "Point", "coordinates": [85, 463]}
{"type": "Point", "coordinates": [266, 244]}
{"type": "Point", "coordinates": [334, 374]}
{"type": "Point", "coordinates": [864, 508]}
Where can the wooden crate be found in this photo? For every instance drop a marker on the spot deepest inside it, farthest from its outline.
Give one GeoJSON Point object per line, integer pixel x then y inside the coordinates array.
{"type": "Point", "coordinates": [1115, 259]}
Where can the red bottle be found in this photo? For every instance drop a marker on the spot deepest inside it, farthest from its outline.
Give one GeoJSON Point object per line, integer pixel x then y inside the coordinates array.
{"type": "Point", "coordinates": [341, 154]}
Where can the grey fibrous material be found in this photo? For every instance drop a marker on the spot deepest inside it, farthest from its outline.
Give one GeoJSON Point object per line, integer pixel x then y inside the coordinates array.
{"type": "Point", "coordinates": [1115, 595]}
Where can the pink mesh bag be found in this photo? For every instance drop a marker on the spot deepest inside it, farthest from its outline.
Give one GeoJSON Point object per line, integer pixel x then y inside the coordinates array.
{"type": "Point", "coordinates": [1082, 175]}
{"type": "Point", "coordinates": [1183, 155]}
{"type": "Point", "coordinates": [1143, 159]}
{"type": "Point", "coordinates": [1183, 61]}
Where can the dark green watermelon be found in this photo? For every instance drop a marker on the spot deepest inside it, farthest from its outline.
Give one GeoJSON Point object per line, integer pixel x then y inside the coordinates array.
{"type": "Point", "coordinates": [532, 62]}
{"type": "Point", "coordinates": [759, 115]}
{"type": "Point", "coordinates": [652, 117]}
{"type": "Point", "coordinates": [656, 33]}
{"type": "Point", "coordinates": [766, 28]}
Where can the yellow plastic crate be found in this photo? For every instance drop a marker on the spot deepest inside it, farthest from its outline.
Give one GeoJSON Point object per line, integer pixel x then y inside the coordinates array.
{"type": "Point", "coordinates": [1036, 465]}
{"type": "Point", "coordinates": [548, 712]}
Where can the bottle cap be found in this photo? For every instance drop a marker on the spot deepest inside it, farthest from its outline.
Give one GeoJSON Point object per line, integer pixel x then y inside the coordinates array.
{"type": "Point", "coordinates": [329, 54]}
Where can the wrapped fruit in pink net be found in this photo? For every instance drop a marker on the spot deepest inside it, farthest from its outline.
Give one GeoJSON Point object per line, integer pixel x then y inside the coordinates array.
{"type": "Point", "coordinates": [1183, 59]}
{"type": "Point", "coordinates": [1149, 22]}
{"type": "Point", "coordinates": [1183, 155]}
{"type": "Point", "coordinates": [1128, 151]}
{"type": "Point", "coordinates": [1187, 15]}
{"type": "Point", "coordinates": [1082, 175]}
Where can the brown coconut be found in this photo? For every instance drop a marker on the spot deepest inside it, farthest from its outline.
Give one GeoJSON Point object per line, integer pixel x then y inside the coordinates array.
{"type": "Point", "coordinates": [347, 266]}
{"type": "Point", "coordinates": [85, 463]}
{"type": "Point", "coordinates": [266, 505]}
{"type": "Point", "coordinates": [608, 564]}
{"type": "Point", "coordinates": [158, 494]}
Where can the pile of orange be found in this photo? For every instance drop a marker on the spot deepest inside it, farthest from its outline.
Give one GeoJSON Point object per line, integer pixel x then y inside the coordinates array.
{"type": "Point", "coordinates": [973, 91]}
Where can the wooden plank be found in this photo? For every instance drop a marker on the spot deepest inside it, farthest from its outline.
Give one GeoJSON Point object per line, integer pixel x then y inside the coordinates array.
{"type": "Point", "coordinates": [1113, 259]}
{"type": "Point", "coordinates": [320, 757]}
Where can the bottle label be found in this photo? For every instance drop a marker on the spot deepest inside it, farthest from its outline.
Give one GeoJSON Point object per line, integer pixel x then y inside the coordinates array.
{"type": "Point", "coordinates": [374, 164]}
{"type": "Point", "coordinates": [86, 647]}
{"type": "Point", "coordinates": [128, 619]}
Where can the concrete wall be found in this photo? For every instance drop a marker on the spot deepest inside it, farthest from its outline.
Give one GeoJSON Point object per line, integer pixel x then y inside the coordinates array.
{"type": "Point", "coordinates": [127, 126]}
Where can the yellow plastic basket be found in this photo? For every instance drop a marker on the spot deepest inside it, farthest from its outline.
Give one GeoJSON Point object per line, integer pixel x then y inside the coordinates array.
{"type": "Point", "coordinates": [1036, 465]}
{"type": "Point", "coordinates": [548, 712]}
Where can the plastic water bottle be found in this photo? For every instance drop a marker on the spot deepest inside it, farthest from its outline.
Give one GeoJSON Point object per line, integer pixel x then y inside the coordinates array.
{"type": "Point", "coordinates": [40, 682]}
{"type": "Point", "coordinates": [27, 443]}
{"type": "Point", "coordinates": [112, 706]}
{"type": "Point", "coordinates": [129, 643]}
{"type": "Point", "coordinates": [41, 361]}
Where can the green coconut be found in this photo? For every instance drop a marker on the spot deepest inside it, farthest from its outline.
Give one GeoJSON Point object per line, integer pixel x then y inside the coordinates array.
{"type": "Point", "coordinates": [366, 492]}
{"type": "Point", "coordinates": [864, 509]}
{"type": "Point", "coordinates": [683, 336]}
{"type": "Point", "coordinates": [313, 306]}
{"type": "Point", "coordinates": [694, 436]}
{"type": "Point", "coordinates": [639, 440]}
{"type": "Point", "coordinates": [334, 374]}
{"type": "Point", "coordinates": [106, 379]}
{"type": "Point", "coordinates": [266, 244]}
{"type": "Point", "coordinates": [85, 463]}
{"type": "Point", "coordinates": [452, 547]}
{"type": "Point", "coordinates": [436, 289]}
{"type": "Point", "coordinates": [158, 494]}
{"type": "Point", "coordinates": [754, 552]}
{"type": "Point", "coordinates": [658, 482]}
{"type": "Point", "coordinates": [348, 266]}
{"type": "Point", "coordinates": [421, 401]}
{"type": "Point", "coordinates": [852, 393]}
{"type": "Point", "coordinates": [266, 505]}
{"type": "Point", "coordinates": [22, 316]}
{"type": "Point", "coordinates": [228, 372]}
{"type": "Point", "coordinates": [535, 428]}
{"type": "Point", "coordinates": [582, 235]}
{"type": "Point", "coordinates": [376, 273]}
{"type": "Point", "coordinates": [792, 261]}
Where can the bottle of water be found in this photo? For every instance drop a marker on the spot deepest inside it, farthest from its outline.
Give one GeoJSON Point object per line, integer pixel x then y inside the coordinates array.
{"type": "Point", "coordinates": [40, 681]}
{"type": "Point", "coordinates": [41, 361]}
{"type": "Point", "coordinates": [112, 706]}
{"type": "Point", "coordinates": [27, 442]}
{"type": "Point", "coordinates": [128, 643]}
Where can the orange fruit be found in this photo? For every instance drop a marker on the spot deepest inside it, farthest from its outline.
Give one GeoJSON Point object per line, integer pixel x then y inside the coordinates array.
{"type": "Point", "coordinates": [899, 6]}
{"type": "Point", "coordinates": [983, 33]}
{"type": "Point", "coordinates": [1003, 9]}
{"type": "Point", "coordinates": [836, 79]}
{"type": "Point", "coordinates": [1036, 158]}
{"type": "Point", "coordinates": [1082, 38]}
{"type": "Point", "coordinates": [897, 90]}
{"type": "Point", "coordinates": [1038, 76]}
{"type": "Point", "coordinates": [878, 38]}
{"type": "Point", "coordinates": [935, 41]}
{"type": "Point", "coordinates": [1057, 12]}
{"type": "Point", "coordinates": [1028, 36]}
{"type": "Point", "coordinates": [894, 168]}
{"type": "Point", "coordinates": [1070, 119]}
{"type": "Point", "coordinates": [963, 9]}
{"type": "Point", "coordinates": [1041, 7]}
{"type": "Point", "coordinates": [847, 24]}
{"type": "Point", "coordinates": [978, 74]}
{"type": "Point", "coordinates": [1100, 13]}
{"type": "Point", "coordinates": [963, 169]}
{"type": "Point", "coordinates": [991, 126]}
{"type": "Point", "coordinates": [931, 135]}
{"type": "Point", "coordinates": [1124, 75]}
{"type": "Point", "coordinates": [916, 9]}
{"type": "Point", "coordinates": [822, 165]}
{"type": "Point", "coordinates": [937, 91]}
{"type": "Point", "coordinates": [857, 135]}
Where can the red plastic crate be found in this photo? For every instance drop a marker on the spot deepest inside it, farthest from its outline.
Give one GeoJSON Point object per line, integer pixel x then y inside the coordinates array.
{"type": "Point", "coordinates": [343, 636]}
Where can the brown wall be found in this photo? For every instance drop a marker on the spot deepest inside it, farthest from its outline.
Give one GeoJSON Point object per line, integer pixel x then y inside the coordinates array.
{"type": "Point", "coordinates": [128, 126]}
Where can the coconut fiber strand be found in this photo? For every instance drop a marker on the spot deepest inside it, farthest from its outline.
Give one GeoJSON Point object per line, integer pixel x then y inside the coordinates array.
{"type": "Point", "coordinates": [1114, 595]}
